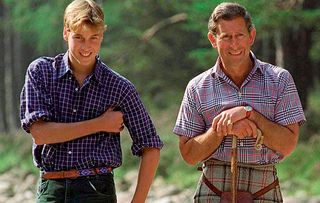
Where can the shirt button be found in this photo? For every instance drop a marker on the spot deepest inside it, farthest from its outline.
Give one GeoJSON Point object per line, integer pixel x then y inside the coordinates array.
{"type": "Point", "coordinates": [239, 93]}
{"type": "Point", "coordinates": [69, 152]}
{"type": "Point", "coordinates": [74, 110]}
{"type": "Point", "coordinates": [241, 144]}
{"type": "Point", "coordinates": [77, 89]}
{"type": "Point", "coordinates": [70, 78]}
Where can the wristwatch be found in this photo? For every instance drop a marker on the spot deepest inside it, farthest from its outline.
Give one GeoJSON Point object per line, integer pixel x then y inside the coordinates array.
{"type": "Point", "coordinates": [248, 110]}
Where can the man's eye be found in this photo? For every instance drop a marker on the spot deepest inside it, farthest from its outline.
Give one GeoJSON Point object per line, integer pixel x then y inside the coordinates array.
{"type": "Point", "coordinates": [226, 37]}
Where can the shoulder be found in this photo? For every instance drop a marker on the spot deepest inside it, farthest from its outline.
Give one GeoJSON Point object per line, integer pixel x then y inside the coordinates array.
{"type": "Point", "coordinates": [40, 63]}
{"type": "Point", "coordinates": [274, 73]}
{"type": "Point", "coordinates": [202, 80]}
{"type": "Point", "coordinates": [40, 67]}
{"type": "Point", "coordinates": [44, 64]}
{"type": "Point", "coordinates": [112, 78]}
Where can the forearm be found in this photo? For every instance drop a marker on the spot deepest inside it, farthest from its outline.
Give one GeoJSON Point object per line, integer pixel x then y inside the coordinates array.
{"type": "Point", "coordinates": [282, 139]}
{"type": "Point", "coordinates": [147, 171]}
{"type": "Point", "coordinates": [52, 132]}
{"type": "Point", "coordinates": [200, 147]}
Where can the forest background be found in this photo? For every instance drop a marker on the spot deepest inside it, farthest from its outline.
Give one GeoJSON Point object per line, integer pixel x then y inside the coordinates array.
{"type": "Point", "coordinates": [160, 45]}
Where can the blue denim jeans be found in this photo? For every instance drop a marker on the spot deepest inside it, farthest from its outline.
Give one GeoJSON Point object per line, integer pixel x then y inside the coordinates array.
{"type": "Point", "coordinates": [91, 189]}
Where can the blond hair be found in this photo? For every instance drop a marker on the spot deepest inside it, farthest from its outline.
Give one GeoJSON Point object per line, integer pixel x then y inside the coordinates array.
{"type": "Point", "coordinates": [80, 13]}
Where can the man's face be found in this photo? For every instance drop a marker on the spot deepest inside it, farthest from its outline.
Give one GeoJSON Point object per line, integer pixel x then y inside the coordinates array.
{"type": "Point", "coordinates": [84, 44]}
{"type": "Point", "coordinates": [233, 41]}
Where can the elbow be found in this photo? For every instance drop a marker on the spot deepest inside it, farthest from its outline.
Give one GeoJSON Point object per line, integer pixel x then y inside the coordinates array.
{"type": "Point", "coordinates": [187, 153]}
{"type": "Point", "coordinates": [188, 159]}
{"type": "Point", "coordinates": [36, 133]}
{"type": "Point", "coordinates": [287, 151]}
{"type": "Point", "coordinates": [37, 139]}
{"type": "Point", "coordinates": [152, 153]}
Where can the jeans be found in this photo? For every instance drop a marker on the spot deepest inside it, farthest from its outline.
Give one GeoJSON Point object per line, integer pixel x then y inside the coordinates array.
{"type": "Point", "coordinates": [90, 189]}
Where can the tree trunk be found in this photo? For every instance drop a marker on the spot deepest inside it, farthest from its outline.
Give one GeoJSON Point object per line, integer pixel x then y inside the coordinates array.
{"type": "Point", "coordinates": [18, 76]}
{"type": "Point", "coordinates": [296, 46]}
{"type": "Point", "coordinates": [2, 97]}
{"type": "Point", "coordinates": [296, 42]}
{"type": "Point", "coordinates": [279, 49]}
{"type": "Point", "coordinates": [8, 73]}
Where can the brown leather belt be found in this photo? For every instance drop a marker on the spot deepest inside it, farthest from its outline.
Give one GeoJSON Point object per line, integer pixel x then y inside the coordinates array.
{"type": "Point", "coordinates": [257, 194]}
{"type": "Point", "coordinates": [72, 174]}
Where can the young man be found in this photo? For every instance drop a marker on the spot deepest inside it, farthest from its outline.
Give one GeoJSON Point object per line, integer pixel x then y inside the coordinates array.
{"type": "Point", "coordinates": [237, 96]}
{"type": "Point", "coordinates": [74, 106]}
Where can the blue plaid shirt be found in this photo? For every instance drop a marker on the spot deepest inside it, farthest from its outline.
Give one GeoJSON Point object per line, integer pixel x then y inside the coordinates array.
{"type": "Point", "coordinates": [51, 93]}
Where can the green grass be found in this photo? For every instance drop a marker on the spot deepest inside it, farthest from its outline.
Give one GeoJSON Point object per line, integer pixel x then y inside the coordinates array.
{"type": "Point", "coordinates": [15, 152]}
{"type": "Point", "coordinates": [301, 169]}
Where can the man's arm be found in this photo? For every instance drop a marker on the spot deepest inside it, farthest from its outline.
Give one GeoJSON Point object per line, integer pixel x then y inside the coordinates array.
{"type": "Point", "coordinates": [148, 166]}
{"type": "Point", "coordinates": [282, 139]}
{"type": "Point", "coordinates": [51, 132]}
{"type": "Point", "coordinates": [196, 149]}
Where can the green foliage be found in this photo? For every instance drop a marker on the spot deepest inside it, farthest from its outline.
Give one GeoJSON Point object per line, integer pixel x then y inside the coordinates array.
{"type": "Point", "coordinates": [15, 152]}
{"type": "Point", "coordinates": [177, 52]}
{"type": "Point", "coordinates": [301, 170]}
{"type": "Point", "coordinates": [43, 26]}
{"type": "Point", "coordinates": [311, 127]}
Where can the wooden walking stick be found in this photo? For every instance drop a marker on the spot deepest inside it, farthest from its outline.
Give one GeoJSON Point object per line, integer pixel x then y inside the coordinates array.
{"type": "Point", "coordinates": [234, 169]}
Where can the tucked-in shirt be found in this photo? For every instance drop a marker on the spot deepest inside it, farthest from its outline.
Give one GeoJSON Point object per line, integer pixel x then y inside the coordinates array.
{"type": "Point", "coordinates": [52, 93]}
{"type": "Point", "coordinates": [270, 90]}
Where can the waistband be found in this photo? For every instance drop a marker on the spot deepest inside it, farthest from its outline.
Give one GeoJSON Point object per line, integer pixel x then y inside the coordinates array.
{"type": "Point", "coordinates": [74, 173]}
{"type": "Point", "coordinates": [224, 163]}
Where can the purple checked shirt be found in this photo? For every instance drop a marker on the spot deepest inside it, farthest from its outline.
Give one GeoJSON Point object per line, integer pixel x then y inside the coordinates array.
{"type": "Point", "coordinates": [51, 93]}
{"type": "Point", "coordinates": [270, 90]}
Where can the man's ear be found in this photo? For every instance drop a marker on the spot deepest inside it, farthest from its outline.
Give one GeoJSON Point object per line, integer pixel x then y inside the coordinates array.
{"type": "Point", "coordinates": [252, 33]}
{"type": "Point", "coordinates": [65, 34]}
{"type": "Point", "coordinates": [212, 40]}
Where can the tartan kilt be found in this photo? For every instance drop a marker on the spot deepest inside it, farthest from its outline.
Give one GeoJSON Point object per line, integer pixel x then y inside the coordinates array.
{"type": "Point", "coordinates": [251, 178]}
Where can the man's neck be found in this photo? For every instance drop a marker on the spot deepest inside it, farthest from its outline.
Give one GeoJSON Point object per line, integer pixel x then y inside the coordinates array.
{"type": "Point", "coordinates": [81, 73]}
{"type": "Point", "coordinates": [238, 73]}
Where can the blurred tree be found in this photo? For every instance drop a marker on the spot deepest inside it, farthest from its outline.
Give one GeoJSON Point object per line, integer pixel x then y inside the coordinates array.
{"type": "Point", "coordinates": [10, 124]}
{"type": "Point", "coordinates": [158, 64]}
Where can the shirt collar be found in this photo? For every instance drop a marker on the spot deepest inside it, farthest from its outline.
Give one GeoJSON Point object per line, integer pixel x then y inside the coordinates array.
{"type": "Point", "coordinates": [99, 69]}
{"type": "Point", "coordinates": [217, 70]}
{"type": "Point", "coordinates": [63, 66]}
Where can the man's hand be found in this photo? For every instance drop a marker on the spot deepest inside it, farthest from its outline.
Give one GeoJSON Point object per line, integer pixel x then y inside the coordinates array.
{"type": "Point", "coordinates": [111, 121]}
{"type": "Point", "coordinates": [222, 123]}
{"type": "Point", "coordinates": [244, 128]}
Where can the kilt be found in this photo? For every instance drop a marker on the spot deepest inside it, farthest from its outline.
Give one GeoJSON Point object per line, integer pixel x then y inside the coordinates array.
{"type": "Point", "coordinates": [251, 178]}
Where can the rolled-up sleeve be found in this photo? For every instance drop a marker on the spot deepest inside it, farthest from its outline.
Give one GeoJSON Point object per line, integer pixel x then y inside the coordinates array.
{"type": "Point", "coordinates": [139, 123]}
{"type": "Point", "coordinates": [34, 101]}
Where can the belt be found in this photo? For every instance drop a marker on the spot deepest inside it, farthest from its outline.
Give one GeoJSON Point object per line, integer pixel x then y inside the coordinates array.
{"type": "Point", "coordinates": [257, 194]}
{"type": "Point", "coordinates": [74, 173]}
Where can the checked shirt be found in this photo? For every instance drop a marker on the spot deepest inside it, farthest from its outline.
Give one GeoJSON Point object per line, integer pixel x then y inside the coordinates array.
{"type": "Point", "coordinates": [51, 93]}
{"type": "Point", "coordinates": [270, 90]}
